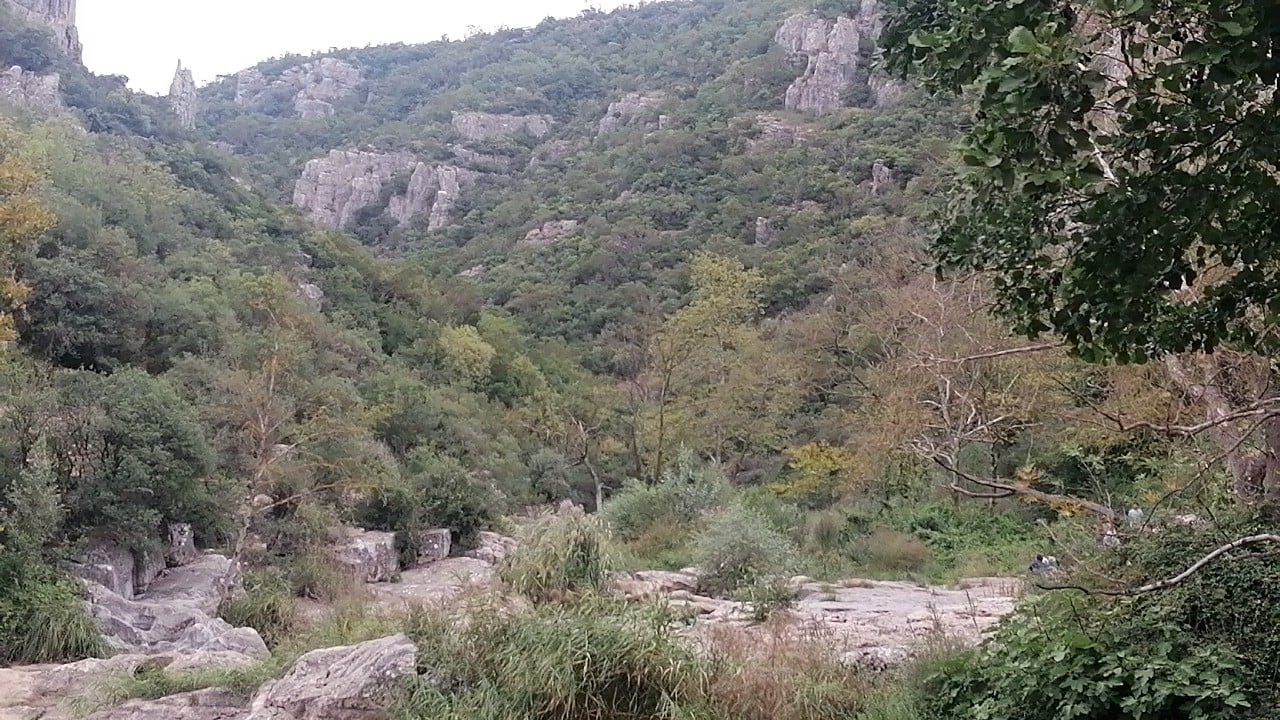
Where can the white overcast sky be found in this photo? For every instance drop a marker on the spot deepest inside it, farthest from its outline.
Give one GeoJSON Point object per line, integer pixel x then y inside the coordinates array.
{"type": "Point", "coordinates": [144, 39]}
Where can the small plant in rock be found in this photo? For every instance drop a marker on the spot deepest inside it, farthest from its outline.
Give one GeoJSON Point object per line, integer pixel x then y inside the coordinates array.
{"type": "Point", "coordinates": [739, 548]}
{"type": "Point", "coordinates": [888, 550]}
{"type": "Point", "coordinates": [268, 605]}
{"type": "Point", "coordinates": [768, 596]}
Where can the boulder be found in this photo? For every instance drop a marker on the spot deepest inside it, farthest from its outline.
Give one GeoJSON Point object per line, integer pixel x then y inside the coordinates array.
{"type": "Point", "coordinates": [434, 546]}
{"type": "Point", "coordinates": [31, 90]}
{"type": "Point", "coordinates": [477, 126]}
{"type": "Point", "coordinates": [631, 109]}
{"type": "Point", "coordinates": [147, 566]}
{"type": "Point", "coordinates": [183, 97]}
{"type": "Point", "coordinates": [355, 682]}
{"type": "Point", "coordinates": [493, 548]}
{"type": "Point", "coordinates": [549, 232]}
{"type": "Point", "coordinates": [764, 231]}
{"type": "Point", "coordinates": [168, 626]}
{"type": "Point", "coordinates": [882, 177]}
{"type": "Point", "coordinates": [371, 556]}
{"type": "Point", "coordinates": [312, 294]}
{"type": "Point", "coordinates": [202, 584]}
{"type": "Point", "coordinates": [210, 704]}
{"type": "Point", "coordinates": [108, 564]}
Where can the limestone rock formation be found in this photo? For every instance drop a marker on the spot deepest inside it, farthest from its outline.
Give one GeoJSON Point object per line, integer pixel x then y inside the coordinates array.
{"type": "Point", "coordinates": [882, 177]}
{"type": "Point", "coordinates": [355, 682]}
{"type": "Point", "coordinates": [493, 548]}
{"type": "Point", "coordinates": [210, 704]}
{"type": "Point", "coordinates": [182, 97]}
{"type": "Point", "coordinates": [837, 52]}
{"type": "Point", "coordinates": [58, 15]}
{"type": "Point", "coordinates": [434, 546]}
{"type": "Point", "coordinates": [109, 565]}
{"type": "Point", "coordinates": [313, 294]}
{"type": "Point", "coordinates": [775, 133]}
{"type": "Point", "coordinates": [333, 189]}
{"type": "Point", "coordinates": [177, 613]}
{"type": "Point", "coordinates": [30, 90]}
{"type": "Point", "coordinates": [764, 231]}
{"type": "Point", "coordinates": [549, 232]}
{"type": "Point", "coordinates": [434, 190]}
{"type": "Point", "coordinates": [633, 108]}
{"type": "Point", "coordinates": [315, 85]}
{"type": "Point", "coordinates": [371, 556]}
{"type": "Point", "coordinates": [476, 126]}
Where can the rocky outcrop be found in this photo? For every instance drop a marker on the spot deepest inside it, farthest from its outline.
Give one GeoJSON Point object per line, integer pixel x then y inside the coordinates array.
{"type": "Point", "coordinates": [211, 704]}
{"type": "Point", "coordinates": [549, 232]}
{"type": "Point", "coordinates": [837, 53]}
{"type": "Point", "coordinates": [476, 126]}
{"type": "Point", "coordinates": [31, 90]}
{"type": "Point", "coordinates": [434, 546]}
{"type": "Point", "coordinates": [182, 97]}
{"type": "Point", "coordinates": [763, 231]}
{"type": "Point", "coordinates": [312, 294]}
{"type": "Point", "coordinates": [177, 614]}
{"type": "Point", "coordinates": [492, 548]}
{"type": "Point", "coordinates": [108, 564]}
{"type": "Point", "coordinates": [333, 189]}
{"type": "Point", "coordinates": [775, 133]}
{"type": "Point", "coordinates": [356, 682]}
{"type": "Point", "coordinates": [315, 85]}
{"type": "Point", "coordinates": [882, 177]}
{"type": "Point", "coordinates": [57, 15]}
{"type": "Point", "coordinates": [433, 190]}
{"type": "Point", "coordinates": [370, 556]}
{"type": "Point", "coordinates": [182, 545]}
{"type": "Point", "coordinates": [632, 109]}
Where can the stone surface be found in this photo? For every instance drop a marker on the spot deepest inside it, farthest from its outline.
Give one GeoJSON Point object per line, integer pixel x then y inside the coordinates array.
{"type": "Point", "coordinates": [434, 546]}
{"type": "Point", "coordinates": [164, 625]}
{"type": "Point", "coordinates": [315, 85]}
{"type": "Point", "coordinates": [631, 109]}
{"type": "Point", "coordinates": [312, 294]}
{"type": "Point", "coordinates": [439, 583]}
{"type": "Point", "coordinates": [371, 556]}
{"type": "Point", "coordinates": [147, 567]}
{"type": "Point", "coordinates": [882, 178]}
{"type": "Point", "coordinates": [763, 231]}
{"type": "Point", "coordinates": [477, 126]}
{"type": "Point", "coordinates": [334, 188]}
{"type": "Point", "coordinates": [108, 564]}
{"type": "Point", "coordinates": [493, 548]}
{"type": "Point", "coordinates": [57, 15]}
{"type": "Point", "coordinates": [182, 97]}
{"type": "Point", "coordinates": [31, 90]}
{"type": "Point", "coordinates": [433, 190]}
{"type": "Point", "coordinates": [549, 232]}
{"type": "Point", "coordinates": [211, 704]}
{"type": "Point", "coordinates": [835, 50]}
{"type": "Point", "coordinates": [776, 133]}
{"type": "Point", "coordinates": [343, 683]}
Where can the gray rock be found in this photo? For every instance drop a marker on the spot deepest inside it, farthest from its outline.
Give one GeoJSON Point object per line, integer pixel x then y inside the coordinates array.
{"type": "Point", "coordinates": [108, 564]}
{"type": "Point", "coordinates": [334, 188]}
{"type": "Point", "coordinates": [312, 294]}
{"type": "Point", "coordinates": [764, 231]}
{"type": "Point", "coordinates": [434, 546]}
{"type": "Point", "coordinates": [549, 232]}
{"type": "Point", "coordinates": [344, 683]}
{"type": "Point", "coordinates": [631, 109]}
{"type": "Point", "coordinates": [317, 85]}
{"type": "Point", "coordinates": [147, 566]}
{"type": "Point", "coordinates": [31, 90]}
{"type": "Point", "coordinates": [163, 624]}
{"type": "Point", "coordinates": [493, 548]}
{"type": "Point", "coordinates": [210, 704]}
{"type": "Point", "coordinates": [882, 177]}
{"type": "Point", "coordinates": [776, 133]}
{"type": "Point", "coordinates": [477, 126]}
{"type": "Point", "coordinates": [182, 545]}
{"type": "Point", "coordinates": [833, 49]}
{"type": "Point", "coordinates": [182, 97]}
{"type": "Point", "coordinates": [371, 556]}
{"type": "Point", "coordinates": [57, 15]}
{"type": "Point", "coordinates": [203, 583]}
{"type": "Point", "coordinates": [433, 190]}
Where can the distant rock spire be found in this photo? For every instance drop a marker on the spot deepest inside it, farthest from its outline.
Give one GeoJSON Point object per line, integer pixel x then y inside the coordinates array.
{"type": "Point", "coordinates": [182, 97]}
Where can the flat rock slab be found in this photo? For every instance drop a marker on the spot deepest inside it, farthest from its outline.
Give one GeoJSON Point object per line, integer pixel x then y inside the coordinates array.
{"type": "Point", "coordinates": [435, 584]}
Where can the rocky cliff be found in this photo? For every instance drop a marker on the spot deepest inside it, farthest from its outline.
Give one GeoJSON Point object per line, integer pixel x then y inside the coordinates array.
{"type": "Point", "coordinates": [315, 86]}
{"type": "Point", "coordinates": [182, 97]}
{"type": "Point", "coordinates": [334, 188]}
{"type": "Point", "coordinates": [476, 126]}
{"type": "Point", "coordinates": [58, 15]}
{"type": "Point", "coordinates": [838, 53]}
{"type": "Point", "coordinates": [631, 109]}
{"type": "Point", "coordinates": [30, 90]}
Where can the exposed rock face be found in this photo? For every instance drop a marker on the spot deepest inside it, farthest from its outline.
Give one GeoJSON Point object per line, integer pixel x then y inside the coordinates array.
{"type": "Point", "coordinates": [434, 546]}
{"type": "Point", "coordinates": [493, 548]}
{"type": "Point", "coordinates": [764, 231]}
{"type": "Point", "coordinates": [316, 86]}
{"type": "Point", "coordinates": [882, 177]}
{"type": "Point", "coordinates": [211, 704]}
{"type": "Point", "coordinates": [434, 190]}
{"type": "Point", "coordinates": [549, 232]}
{"type": "Point", "coordinates": [482, 126]}
{"type": "Point", "coordinates": [30, 90]}
{"type": "Point", "coordinates": [776, 133]}
{"type": "Point", "coordinates": [312, 294]}
{"type": "Point", "coordinates": [343, 683]}
{"type": "Point", "coordinates": [371, 556]}
{"type": "Point", "coordinates": [834, 49]}
{"type": "Point", "coordinates": [631, 109]}
{"type": "Point", "coordinates": [333, 189]}
{"type": "Point", "coordinates": [109, 565]}
{"type": "Point", "coordinates": [177, 613]}
{"type": "Point", "coordinates": [147, 566]}
{"type": "Point", "coordinates": [182, 97]}
{"type": "Point", "coordinates": [58, 15]}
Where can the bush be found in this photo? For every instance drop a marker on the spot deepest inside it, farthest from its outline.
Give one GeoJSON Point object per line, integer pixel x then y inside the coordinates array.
{"type": "Point", "coordinates": [685, 491]}
{"type": "Point", "coordinates": [43, 619]}
{"type": "Point", "coordinates": [319, 577]}
{"type": "Point", "coordinates": [768, 596]}
{"type": "Point", "coordinates": [268, 605]}
{"type": "Point", "coordinates": [739, 548]}
{"type": "Point", "coordinates": [893, 551]}
{"type": "Point", "coordinates": [563, 662]}
{"type": "Point", "coordinates": [564, 553]}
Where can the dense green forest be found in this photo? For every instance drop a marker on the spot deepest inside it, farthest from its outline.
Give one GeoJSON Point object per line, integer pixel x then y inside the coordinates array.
{"type": "Point", "coordinates": [716, 325]}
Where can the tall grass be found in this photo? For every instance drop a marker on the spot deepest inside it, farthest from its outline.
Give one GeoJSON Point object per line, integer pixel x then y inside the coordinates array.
{"type": "Point", "coordinates": [46, 621]}
{"type": "Point", "coordinates": [559, 554]}
{"type": "Point", "coordinates": [268, 605]}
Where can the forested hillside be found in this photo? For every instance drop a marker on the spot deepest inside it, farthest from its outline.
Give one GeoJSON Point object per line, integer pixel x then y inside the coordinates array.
{"type": "Point", "coordinates": [676, 264]}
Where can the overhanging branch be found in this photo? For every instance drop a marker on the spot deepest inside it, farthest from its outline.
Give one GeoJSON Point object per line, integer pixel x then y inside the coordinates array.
{"type": "Point", "coordinates": [1005, 488]}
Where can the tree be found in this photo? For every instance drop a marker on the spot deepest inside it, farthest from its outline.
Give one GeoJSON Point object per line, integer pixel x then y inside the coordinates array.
{"type": "Point", "coordinates": [1120, 187]}
{"type": "Point", "coordinates": [23, 218]}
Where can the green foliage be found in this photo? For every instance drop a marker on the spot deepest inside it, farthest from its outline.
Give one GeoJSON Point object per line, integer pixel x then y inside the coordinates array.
{"type": "Point", "coordinates": [683, 493]}
{"type": "Point", "coordinates": [316, 576]}
{"type": "Point", "coordinates": [268, 605]}
{"type": "Point", "coordinates": [43, 617]}
{"type": "Point", "coordinates": [893, 551]}
{"type": "Point", "coordinates": [561, 555]}
{"type": "Point", "coordinates": [737, 549]}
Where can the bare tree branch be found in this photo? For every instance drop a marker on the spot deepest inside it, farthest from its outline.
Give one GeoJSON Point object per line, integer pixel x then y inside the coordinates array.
{"type": "Point", "coordinates": [1000, 353]}
{"type": "Point", "coordinates": [1005, 488]}
{"type": "Point", "coordinates": [1176, 579]}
